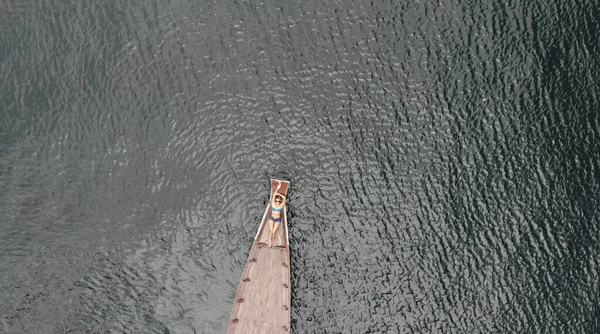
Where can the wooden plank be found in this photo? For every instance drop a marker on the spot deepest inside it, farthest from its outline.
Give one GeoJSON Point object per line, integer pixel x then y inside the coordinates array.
{"type": "Point", "coordinates": [262, 302]}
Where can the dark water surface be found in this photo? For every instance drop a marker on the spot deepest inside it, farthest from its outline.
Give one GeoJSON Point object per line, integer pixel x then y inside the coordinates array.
{"type": "Point", "coordinates": [444, 159]}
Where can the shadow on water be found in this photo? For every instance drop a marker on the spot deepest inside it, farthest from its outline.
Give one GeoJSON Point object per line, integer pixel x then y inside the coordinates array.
{"type": "Point", "coordinates": [18, 101]}
{"type": "Point", "coordinates": [16, 6]}
{"type": "Point", "coordinates": [43, 89]}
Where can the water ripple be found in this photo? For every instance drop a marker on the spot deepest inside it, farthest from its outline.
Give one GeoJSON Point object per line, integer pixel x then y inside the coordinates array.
{"type": "Point", "coordinates": [443, 160]}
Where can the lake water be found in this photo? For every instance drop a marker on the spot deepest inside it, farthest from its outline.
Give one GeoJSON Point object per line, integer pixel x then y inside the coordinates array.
{"type": "Point", "coordinates": [444, 161]}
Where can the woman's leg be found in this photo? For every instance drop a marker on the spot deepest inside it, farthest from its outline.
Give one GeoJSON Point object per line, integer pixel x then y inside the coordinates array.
{"type": "Point", "coordinates": [273, 226]}
{"type": "Point", "coordinates": [270, 229]}
{"type": "Point", "coordinates": [274, 232]}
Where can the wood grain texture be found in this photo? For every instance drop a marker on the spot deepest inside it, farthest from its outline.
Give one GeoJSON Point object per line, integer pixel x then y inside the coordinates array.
{"type": "Point", "coordinates": [262, 302]}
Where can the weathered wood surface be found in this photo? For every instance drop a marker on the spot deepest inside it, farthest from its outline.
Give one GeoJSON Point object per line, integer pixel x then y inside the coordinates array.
{"type": "Point", "coordinates": [262, 302]}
